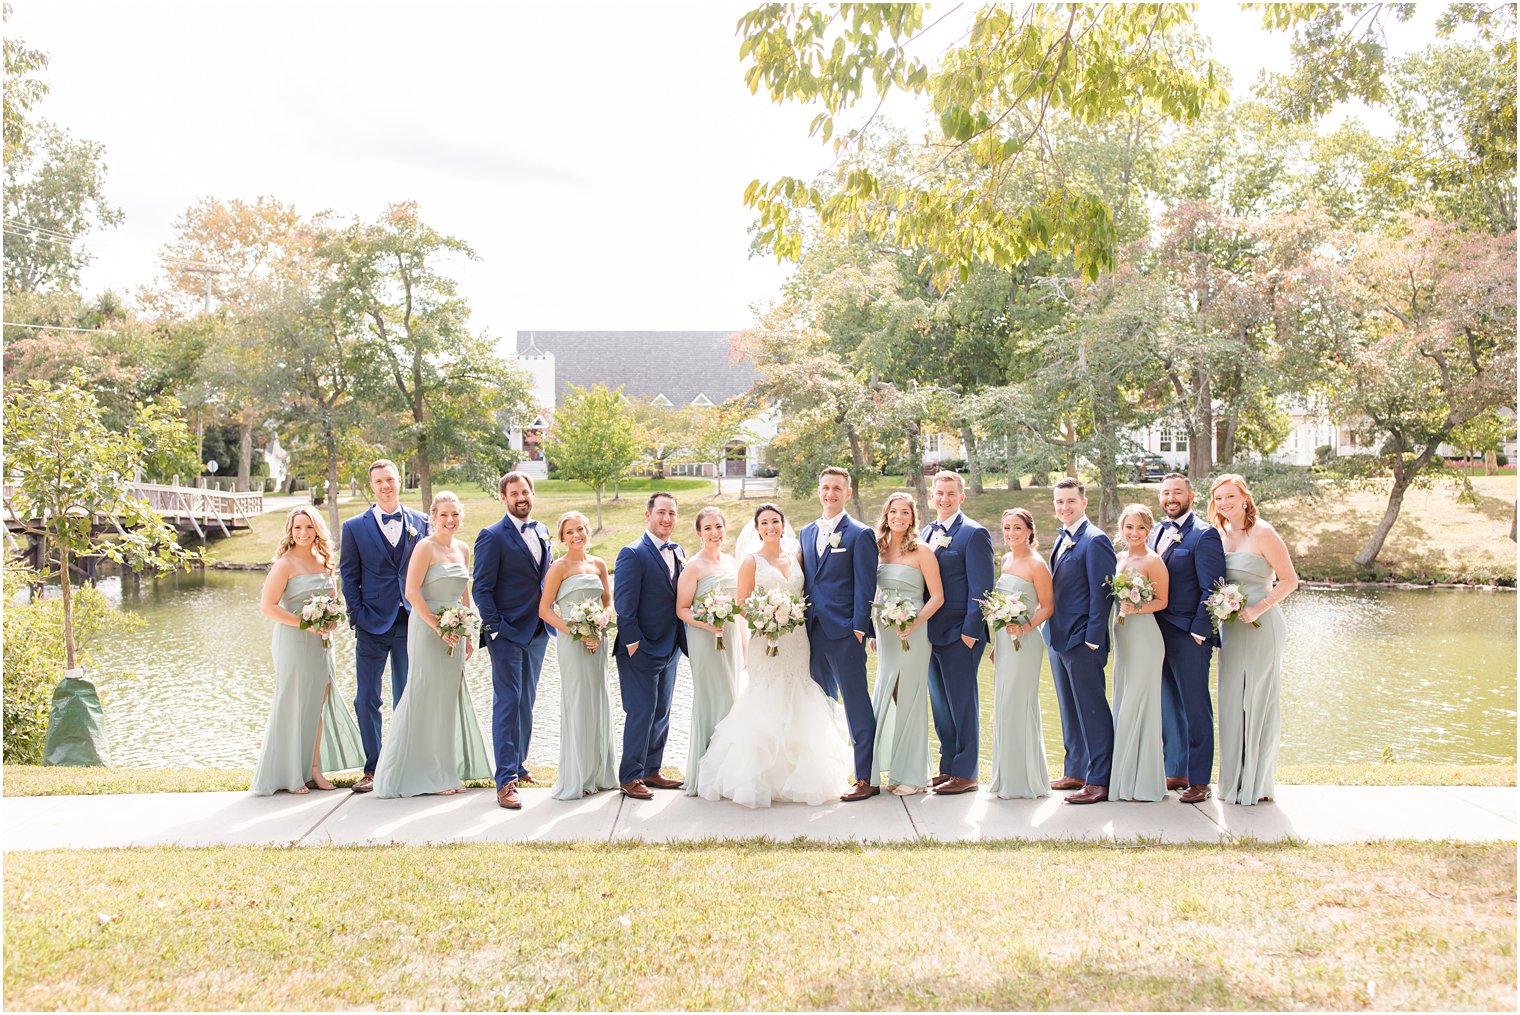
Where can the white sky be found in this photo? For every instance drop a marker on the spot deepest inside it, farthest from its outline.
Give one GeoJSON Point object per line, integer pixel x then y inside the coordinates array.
{"type": "Point", "coordinates": [594, 155]}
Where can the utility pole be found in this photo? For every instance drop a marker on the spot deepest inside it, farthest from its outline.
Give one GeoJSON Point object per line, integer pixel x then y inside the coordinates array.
{"type": "Point", "coordinates": [200, 268]}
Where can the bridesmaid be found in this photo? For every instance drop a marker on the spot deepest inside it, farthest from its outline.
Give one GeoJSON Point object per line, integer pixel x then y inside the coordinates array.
{"type": "Point", "coordinates": [1018, 737]}
{"type": "Point", "coordinates": [714, 674]}
{"type": "Point", "coordinates": [1139, 767]}
{"type": "Point", "coordinates": [1250, 658]}
{"type": "Point", "coordinates": [907, 568]}
{"type": "Point", "coordinates": [308, 730]}
{"type": "Point", "coordinates": [435, 739]}
{"type": "Point", "coordinates": [586, 763]}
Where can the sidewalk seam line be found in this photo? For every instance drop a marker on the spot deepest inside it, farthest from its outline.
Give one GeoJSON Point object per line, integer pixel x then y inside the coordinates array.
{"type": "Point", "coordinates": [917, 835]}
{"type": "Point", "coordinates": [1473, 803]}
{"type": "Point", "coordinates": [323, 818]}
{"type": "Point", "coordinates": [612, 834]}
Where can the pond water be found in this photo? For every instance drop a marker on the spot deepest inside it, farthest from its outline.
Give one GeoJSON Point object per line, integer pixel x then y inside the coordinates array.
{"type": "Point", "coordinates": [1426, 674]}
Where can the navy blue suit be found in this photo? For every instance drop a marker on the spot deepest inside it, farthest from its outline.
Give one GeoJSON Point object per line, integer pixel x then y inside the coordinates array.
{"type": "Point", "coordinates": [374, 590]}
{"type": "Point", "coordinates": [508, 582]}
{"type": "Point", "coordinates": [1194, 565]}
{"type": "Point", "coordinates": [1082, 604]}
{"type": "Point", "coordinates": [840, 585]}
{"type": "Point", "coordinates": [644, 596]}
{"type": "Point", "coordinates": [965, 571]}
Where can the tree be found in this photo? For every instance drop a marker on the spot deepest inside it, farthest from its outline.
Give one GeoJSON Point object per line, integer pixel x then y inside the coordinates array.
{"type": "Point", "coordinates": [23, 89]}
{"type": "Point", "coordinates": [592, 438]}
{"type": "Point", "coordinates": [71, 472]}
{"type": "Point", "coordinates": [54, 195]}
{"type": "Point", "coordinates": [1436, 349]}
{"type": "Point", "coordinates": [455, 394]}
{"type": "Point", "coordinates": [994, 95]}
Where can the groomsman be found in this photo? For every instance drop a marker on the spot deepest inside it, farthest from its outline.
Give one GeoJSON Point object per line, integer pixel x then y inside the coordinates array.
{"type": "Point", "coordinates": [648, 648]}
{"type": "Point", "coordinates": [957, 632]}
{"type": "Point", "coordinates": [1077, 635]}
{"type": "Point", "coordinates": [1194, 557]}
{"type": "Point", "coordinates": [839, 580]}
{"type": "Point", "coordinates": [511, 558]}
{"type": "Point", "coordinates": [374, 551]}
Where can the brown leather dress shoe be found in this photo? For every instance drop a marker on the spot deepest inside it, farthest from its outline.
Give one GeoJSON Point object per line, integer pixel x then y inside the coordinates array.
{"type": "Point", "coordinates": [507, 797]}
{"type": "Point", "coordinates": [637, 790]}
{"type": "Point", "coordinates": [1067, 782]}
{"type": "Point", "coordinates": [1175, 782]}
{"type": "Point", "coordinates": [862, 790]}
{"type": "Point", "coordinates": [942, 777]}
{"type": "Point", "coordinates": [1089, 794]}
{"type": "Point", "coordinates": [658, 781]}
{"type": "Point", "coordinates": [952, 786]}
{"type": "Point", "coordinates": [366, 783]}
{"type": "Point", "coordinates": [1195, 794]}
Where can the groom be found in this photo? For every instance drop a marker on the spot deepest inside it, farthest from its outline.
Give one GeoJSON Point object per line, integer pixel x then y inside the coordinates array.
{"type": "Point", "coordinates": [1077, 634]}
{"type": "Point", "coordinates": [839, 580]}
{"type": "Point", "coordinates": [375, 548]}
{"type": "Point", "coordinates": [649, 644]}
{"type": "Point", "coordinates": [511, 559]}
{"type": "Point", "coordinates": [957, 633]}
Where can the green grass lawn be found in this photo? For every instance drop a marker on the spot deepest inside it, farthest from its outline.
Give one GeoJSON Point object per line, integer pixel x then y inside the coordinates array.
{"type": "Point", "coordinates": [1436, 538]}
{"type": "Point", "coordinates": [752, 925]}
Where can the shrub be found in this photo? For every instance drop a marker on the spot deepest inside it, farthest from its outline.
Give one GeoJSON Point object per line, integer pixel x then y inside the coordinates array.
{"type": "Point", "coordinates": [34, 655]}
{"type": "Point", "coordinates": [1501, 459]}
{"type": "Point", "coordinates": [1323, 454]}
{"type": "Point", "coordinates": [319, 493]}
{"type": "Point", "coordinates": [952, 465]}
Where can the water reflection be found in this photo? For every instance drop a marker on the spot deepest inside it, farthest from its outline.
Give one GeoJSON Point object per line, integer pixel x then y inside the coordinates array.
{"type": "Point", "coordinates": [1429, 675]}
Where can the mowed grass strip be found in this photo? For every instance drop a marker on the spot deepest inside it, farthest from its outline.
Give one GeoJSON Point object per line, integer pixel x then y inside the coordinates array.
{"type": "Point", "coordinates": [754, 925]}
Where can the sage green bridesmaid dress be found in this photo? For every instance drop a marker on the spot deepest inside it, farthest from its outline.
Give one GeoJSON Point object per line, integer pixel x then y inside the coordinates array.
{"type": "Point", "coordinates": [902, 726]}
{"type": "Point", "coordinates": [1139, 767]}
{"type": "Point", "coordinates": [1250, 681]}
{"type": "Point", "coordinates": [305, 694]}
{"type": "Point", "coordinates": [586, 762]}
{"type": "Point", "coordinates": [714, 677]}
{"type": "Point", "coordinates": [1018, 739]}
{"type": "Point", "coordinates": [434, 741]}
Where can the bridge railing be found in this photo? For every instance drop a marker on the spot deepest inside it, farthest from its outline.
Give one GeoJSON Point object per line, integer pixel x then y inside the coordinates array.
{"type": "Point", "coordinates": [201, 509]}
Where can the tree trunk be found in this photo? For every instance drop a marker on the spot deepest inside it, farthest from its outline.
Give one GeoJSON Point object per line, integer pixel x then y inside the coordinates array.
{"type": "Point", "coordinates": [1514, 512]}
{"type": "Point", "coordinates": [915, 476]}
{"type": "Point", "coordinates": [1071, 451]}
{"type": "Point", "coordinates": [1490, 463]}
{"type": "Point", "coordinates": [599, 489]}
{"type": "Point", "coordinates": [332, 489]}
{"type": "Point", "coordinates": [245, 454]}
{"type": "Point", "coordinates": [1201, 429]}
{"type": "Point", "coordinates": [1369, 553]}
{"type": "Point", "coordinates": [973, 460]}
{"type": "Point", "coordinates": [1108, 497]}
{"type": "Point", "coordinates": [1227, 431]}
{"type": "Point", "coordinates": [66, 586]}
{"type": "Point", "coordinates": [1010, 456]}
{"type": "Point", "coordinates": [424, 465]}
{"type": "Point", "coordinates": [858, 466]}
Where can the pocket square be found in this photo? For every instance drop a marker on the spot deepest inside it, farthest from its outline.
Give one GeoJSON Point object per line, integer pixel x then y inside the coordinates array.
{"type": "Point", "coordinates": [839, 550]}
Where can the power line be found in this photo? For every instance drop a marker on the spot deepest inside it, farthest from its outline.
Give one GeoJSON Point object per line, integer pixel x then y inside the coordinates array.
{"type": "Point", "coordinates": [42, 229]}
{"type": "Point", "coordinates": [56, 327]}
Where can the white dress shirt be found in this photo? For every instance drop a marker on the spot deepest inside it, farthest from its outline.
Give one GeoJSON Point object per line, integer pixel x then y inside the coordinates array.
{"type": "Point", "coordinates": [530, 536]}
{"type": "Point", "coordinates": [391, 529]}
{"type": "Point", "coordinates": [826, 527]}
{"type": "Point", "coordinates": [669, 556]}
{"type": "Point", "coordinates": [1068, 537]}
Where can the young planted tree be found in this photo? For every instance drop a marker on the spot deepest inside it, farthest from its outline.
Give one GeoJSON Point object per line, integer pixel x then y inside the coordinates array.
{"type": "Point", "coordinates": [592, 438]}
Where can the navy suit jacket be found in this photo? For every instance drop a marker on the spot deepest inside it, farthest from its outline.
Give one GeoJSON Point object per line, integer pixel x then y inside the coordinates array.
{"type": "Point", "coordinates": [374, 582]}
{"type": "Point", "coordinates": [644, 596]}
{"type": "Point", "coordinates": [1193, 566]}
{"type": "Point", "coordinates": [840, 583]}
{"type": "Point", "coordinates": [965, 571]}
{"type": "Point", "coordinates": [508, 582]}
{"type": "Point", "coordinates": [1082, 600]}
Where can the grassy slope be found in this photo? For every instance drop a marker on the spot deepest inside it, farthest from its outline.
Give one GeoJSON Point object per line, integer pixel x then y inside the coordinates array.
{"type": "Point", "coordinates": [1004, 925]}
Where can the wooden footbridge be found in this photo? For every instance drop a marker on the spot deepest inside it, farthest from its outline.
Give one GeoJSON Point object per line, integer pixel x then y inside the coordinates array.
{"type": "Point", "coordinates": [190, 509]}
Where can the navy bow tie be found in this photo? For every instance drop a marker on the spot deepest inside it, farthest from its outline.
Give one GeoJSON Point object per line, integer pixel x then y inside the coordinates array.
{"type": "Point", "coordinates": [1172, 525]}
{"type": "Point", "coordinates": [526, 526]}
{"type": "Point", "coordinates": [395, 517]}
{"type": "Point", "coordinates": [672, 547]}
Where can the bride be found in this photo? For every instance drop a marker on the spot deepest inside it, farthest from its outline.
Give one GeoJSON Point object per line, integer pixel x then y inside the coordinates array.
{"type": "Point", "coordinates": [783, 739]}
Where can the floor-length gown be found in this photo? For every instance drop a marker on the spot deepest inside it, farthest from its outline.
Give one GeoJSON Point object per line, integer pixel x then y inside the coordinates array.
{"type": "Point", "coordinates": [902, 725]}
{"type": "Point", "coordinates": [1139, 766]}
{"type": "Point", "coordinates": [782, 740]}
{"type": "Point", "coordinates": [714, 677]}
{"type": "Point", "coordinates": [1018, 737]}
{"type": "Point", "coordinates": [434, 741]}
{"type": "Point", "coordinates": [586, 761]}
{"type": "Point", "coordinates": [1250, 682]}
{"type": "Point", "coordinates": [304, 695]}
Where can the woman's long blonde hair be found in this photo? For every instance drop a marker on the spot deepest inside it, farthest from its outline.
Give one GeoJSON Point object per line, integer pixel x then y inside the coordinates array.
{"type": "Point", "coordinates": [884, 532]}
{"type": "Point", "coordinates": [321, 547]}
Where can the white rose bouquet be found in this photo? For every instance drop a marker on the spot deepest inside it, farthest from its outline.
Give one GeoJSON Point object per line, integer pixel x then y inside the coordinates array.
{"type": "Point", "coordinates": [1225, 603]}
{"type": "Point", "coordinates": [320, 613]}
{"type": "Point", "coordinates": [717, 607]}
{"type": "Point", "coordinates": [1130, 587]}
{"type": "Point", "coordinates": [898, 613]}
{"type": "Point", "coordinates": [773, 613]}
{"type": "Point", "coordinates": [589, 623]}
{"type": "Point", "coordinates": [462, 621]}
{"type": "Point", "coordinates": [1005, 609]}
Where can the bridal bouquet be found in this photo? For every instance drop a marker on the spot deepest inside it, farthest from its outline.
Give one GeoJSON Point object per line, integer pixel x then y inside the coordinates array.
{"type": "Point", "coordinates": [1005, 609]}
{"type": "Point", "coordinates": [1130, 587]}
{"type": "Point", "coordinates": [773, 613]}
{"type": "Point", "coordinates": [1225, 603]}
{"type": "Point", "coordinates": [716, 607]}
{"type": "Point", "coordinates": [898, 613]}
{"type": "Point", "coordinates": [589, 623]}
{"type": "Point", "coordinates": [460, 620]}
{"type": "Point", "coordinates": [322, 612]}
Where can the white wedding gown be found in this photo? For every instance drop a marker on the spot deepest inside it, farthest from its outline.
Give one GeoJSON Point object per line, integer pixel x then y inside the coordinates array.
{"type": "Point", "coordinates": [782, 740]}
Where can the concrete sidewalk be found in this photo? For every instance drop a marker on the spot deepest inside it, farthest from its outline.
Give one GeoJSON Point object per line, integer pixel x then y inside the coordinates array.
{"type": "Point", "coordinates": [1325, 814]}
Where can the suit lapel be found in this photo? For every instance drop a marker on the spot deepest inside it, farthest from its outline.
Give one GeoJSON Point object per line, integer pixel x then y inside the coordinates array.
{"type": "Point", "coordinates": [659, 558]}
{"type": "Point", "coordinates": [809, 540]}
{"type": "Point", "coordinates": [1070, 547]}
{"type": "Point", "coordinates": [840, 528]}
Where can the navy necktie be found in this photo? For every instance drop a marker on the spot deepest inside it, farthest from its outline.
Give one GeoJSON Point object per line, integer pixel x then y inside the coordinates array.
{"type": "Point", "coordinates": [394, 517]}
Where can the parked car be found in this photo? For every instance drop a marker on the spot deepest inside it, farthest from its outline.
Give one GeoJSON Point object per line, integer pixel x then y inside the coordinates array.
{"type": "Point", "coordinates": [1147, 468]}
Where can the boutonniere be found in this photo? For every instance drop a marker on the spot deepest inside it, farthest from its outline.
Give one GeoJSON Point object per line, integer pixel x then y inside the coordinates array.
{"type": "Point", "coordinates": [1169, 538]}
{"type": "Point", "coordinates": [941, 541]}
{"type": "Point", "coordinates": [834, 540]}
{"type": "Point", "coordinates": [411, 530]}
